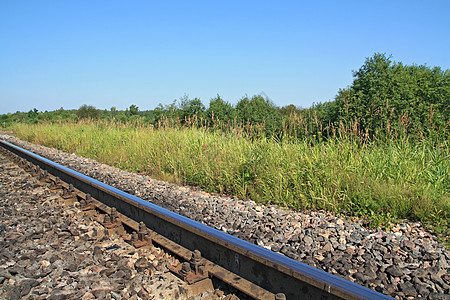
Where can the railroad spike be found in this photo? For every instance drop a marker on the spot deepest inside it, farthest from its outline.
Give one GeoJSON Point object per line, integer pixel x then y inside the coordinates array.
{"type": "Point", "coordinates": [142, 237]}
{"type": "Point", "coordinates": [196, 261]}
{"type": "Point", "coordinates": [86, 203]}
{"type": "Point", "coordinates": [106, 220]}
{"type": "Point", "coordinates": [68, 192]}
{"type": "Point", "coordinates": [134, 236]}
{"type": "Point", "coordinates": [114, 221]}
{"type": "Point", "coordinates": [83, 204]}
{"type": "Point", "coordinates": [42, 175]}
{"type": "Point", "coordinates": [185, 269]}
{"type": "Point", "coordinates": [142, 231]}
{"type": "Point", "coordinates": [55, 184]}
{"type": "Point", "coordinates": [88, 199]}
{"type": "Point", "coordinates": [34, 170]}
{"type": "Point", "coordinates": [114, 215]}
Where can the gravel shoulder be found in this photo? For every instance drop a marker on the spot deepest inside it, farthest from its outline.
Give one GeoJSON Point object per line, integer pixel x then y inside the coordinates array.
{"type": "Point", "coordinates": [406, 262]}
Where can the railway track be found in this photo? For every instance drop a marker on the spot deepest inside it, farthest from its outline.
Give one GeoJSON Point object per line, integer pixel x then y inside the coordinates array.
{"type": "Point", "coordinates": [207, 252]}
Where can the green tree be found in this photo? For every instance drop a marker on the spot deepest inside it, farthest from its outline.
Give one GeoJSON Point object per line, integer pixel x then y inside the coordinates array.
{"type": "Point", "coordinates": [88, 112]}
{"type": "Point", "coordinates": [190, 107]}
{"type": "Point", "coordinates": [385, 94]}
{"type": "Point", "coordinates": [113, 112]}
{"type": "Point", "coordinates": [33, 113]}
{"type": "Point", "coordinates": [220, 110]}
{"type": "Point", "coordinates": [133, 110]}
{"type": "Point", "coordinates": [168, 111]}
{"type": "Point", "coordinates": [289, 110]}
{"type": "Point", "coordinates": [261, 111]}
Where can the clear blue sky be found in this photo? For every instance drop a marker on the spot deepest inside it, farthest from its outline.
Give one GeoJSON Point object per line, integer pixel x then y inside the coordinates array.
{"type": "Point", "coordinates": [116, 53]}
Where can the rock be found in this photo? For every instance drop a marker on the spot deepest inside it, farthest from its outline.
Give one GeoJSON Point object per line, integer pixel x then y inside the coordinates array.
{"type": "Point", "coordinates": [439, 296]}
{"type": "Point", "coordinates": [355, 238]}
{"type": "Point", "coordinates": [107, 272]}
{"type": "Point", "coordinates": [142, 264]}
{"type": "Point", "coordinates": [26, 285]}
{"type": "Point", "coordinates": [327, 247]}
{"type": "Point", "coordinates": [442, 264]}
{"type": "Point", "coordinates": [408, 289]}
{"type": "Point", "coordinates": [420, 273]}
{"type": "Point", "coordinates": [422, 290]}
{"type": "Point", "coordinates": [88, 296]}
{"type": "Point", "coordinates": [394, 271]}
{"type": "Point", "coordinates": [307, 240]}
{"type": "Point", "coordinates": [119, 274]}
{"type": "Point", "coordinates": [115, 296]}
{"type": "Point", "coordinates": [72, 267]}
{"type": "Point", "coordinates": [275, 247]}
{"type": "Point", "coordinates": [342, 247]}
{"type": "Point", "coordinates": [431, 256]}
{"type": "Point", "coordinates": [61, 294]}
{"type": "Point", "coordinates": [97, 251]}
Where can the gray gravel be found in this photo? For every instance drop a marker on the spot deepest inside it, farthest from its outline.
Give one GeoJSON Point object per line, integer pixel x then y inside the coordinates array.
{"type": "Point", "coordinates": [49, 249]}
{"type": "Point", "coordinates": [406, 262]}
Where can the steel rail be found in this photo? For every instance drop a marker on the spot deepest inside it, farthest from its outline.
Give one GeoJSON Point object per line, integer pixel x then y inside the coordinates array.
{"type": "Point", "coordinates": [269, 270]}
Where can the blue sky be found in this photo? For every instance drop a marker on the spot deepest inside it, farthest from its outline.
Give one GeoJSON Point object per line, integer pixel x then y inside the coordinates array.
{"type": "Point", "coordinates": [116, 53]}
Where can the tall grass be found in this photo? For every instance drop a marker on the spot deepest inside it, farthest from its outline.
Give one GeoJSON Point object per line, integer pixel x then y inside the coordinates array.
{"type": "Point", "coordinates": [391, 180]}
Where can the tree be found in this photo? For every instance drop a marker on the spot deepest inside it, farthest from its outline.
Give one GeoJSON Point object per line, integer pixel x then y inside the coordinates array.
{"type": "Point", "coordinates": [88, 112]}
{"type": "Point", "coordinates": [220, 110]}
{"type": "Point", "coordinates": [32, 114]}
{"type": "Point", "coordinates": [289, 110]}
{"type": "Point", "coordinates": [385, 94]}
{"type": "Point", "coordinates": [190, 107]}
{"type": "Point", "coordinates": [259, 110]}
{"type": "Point", "coordinates": [134, 110]}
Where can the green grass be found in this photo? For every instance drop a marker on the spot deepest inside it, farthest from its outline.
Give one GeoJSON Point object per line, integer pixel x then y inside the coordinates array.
{"type": "Point", "coordinates": [381, 181]}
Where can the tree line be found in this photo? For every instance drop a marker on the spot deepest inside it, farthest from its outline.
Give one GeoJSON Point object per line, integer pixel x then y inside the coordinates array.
{"type": "Point", "coordinates": [386, 98]}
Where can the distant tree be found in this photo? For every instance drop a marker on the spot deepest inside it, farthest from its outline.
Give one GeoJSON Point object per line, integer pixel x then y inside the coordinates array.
{"type": "Point", "coordinates": [259, 110]}
{"type": "Point", "coordinates": [327, 113]}
{"type": "Point", "coordinates": [134, 110]}
{"type": "Point", "coordinates": [32, 114]}
{"type": "Point", "coordinates": [168, 111]}
{"type": "Point", "coordinates": [113, 112]}
{"type": "Point", "coordinates": [88, 112]}
{"type": "Point", "coordinates": [122, 116]}
{"type": "Point", "coordinates": [190, 107]}
{"type": "Point", "coordinates": [289, 110]}
{"type": "Point", "coordinates": [220, 110]}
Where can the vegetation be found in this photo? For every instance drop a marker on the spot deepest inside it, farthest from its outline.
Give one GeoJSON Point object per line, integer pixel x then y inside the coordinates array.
{"type": "Point", "coordinates": [88, 112]}
{"type": "Point", "coordinates": [380, 150]}
{"type": "Point", "coordinates": [388, 96]}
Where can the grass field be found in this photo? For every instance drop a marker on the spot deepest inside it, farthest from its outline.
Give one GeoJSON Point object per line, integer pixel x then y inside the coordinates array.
{"type": "Point", "coordinates": [383, 182]}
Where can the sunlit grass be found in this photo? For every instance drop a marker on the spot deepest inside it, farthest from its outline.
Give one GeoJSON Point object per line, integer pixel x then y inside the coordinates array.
{"type": "Point", "coordinates": [382, 181]}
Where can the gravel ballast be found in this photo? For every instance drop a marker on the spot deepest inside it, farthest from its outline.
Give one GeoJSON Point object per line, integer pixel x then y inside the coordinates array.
{"type": "Point", "coordinates": [406, 262]}
{"type": "Point", "coordinates": [50, 249]}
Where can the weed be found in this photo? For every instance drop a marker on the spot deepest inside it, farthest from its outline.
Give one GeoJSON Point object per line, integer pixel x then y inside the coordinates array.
{"type": "Point", "coordinates": [380, 181]}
